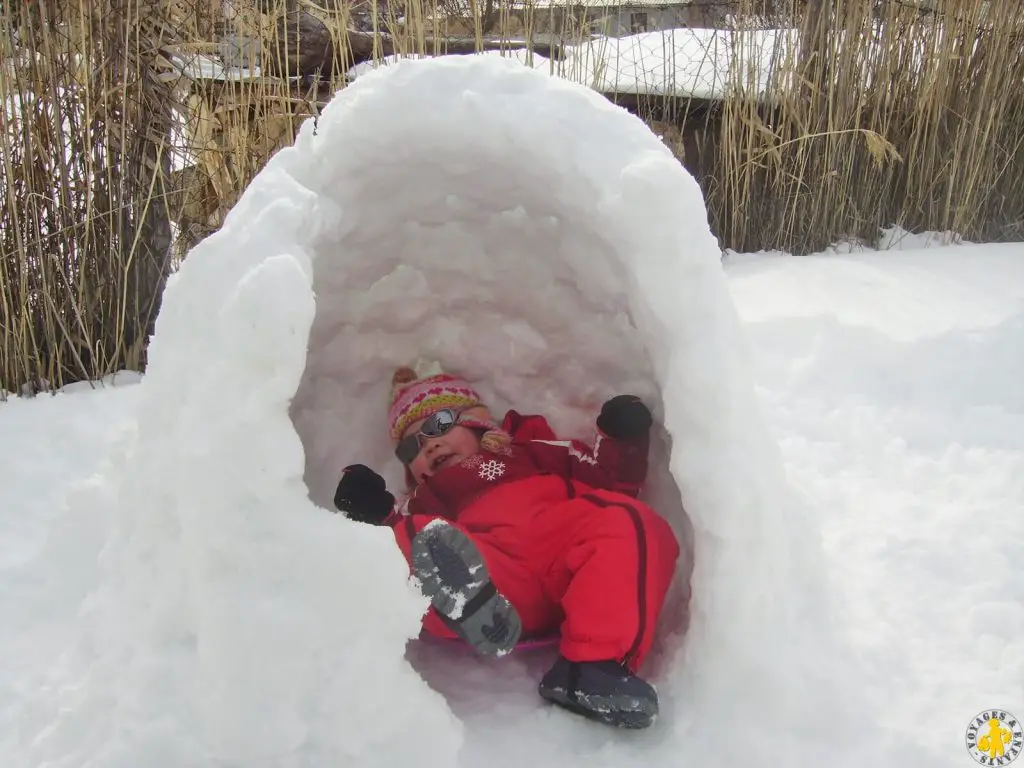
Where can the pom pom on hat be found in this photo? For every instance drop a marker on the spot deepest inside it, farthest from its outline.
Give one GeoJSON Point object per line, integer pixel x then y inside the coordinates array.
{"type": "Point", "coordinates": [401, 379]}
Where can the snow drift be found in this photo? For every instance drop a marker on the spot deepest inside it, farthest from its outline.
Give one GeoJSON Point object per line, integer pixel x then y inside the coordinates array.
{"type": "Point", "coordinates": [543, 243]}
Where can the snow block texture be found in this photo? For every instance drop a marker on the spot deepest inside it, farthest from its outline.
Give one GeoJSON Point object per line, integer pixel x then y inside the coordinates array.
{"type": "Point", "coordinates": [540, 241]}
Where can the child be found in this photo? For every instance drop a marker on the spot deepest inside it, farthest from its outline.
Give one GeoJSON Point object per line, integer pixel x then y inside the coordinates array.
{"type": "Point", "coordinates": [512, 532]}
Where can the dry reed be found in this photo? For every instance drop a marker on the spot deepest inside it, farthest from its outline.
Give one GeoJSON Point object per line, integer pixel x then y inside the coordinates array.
{"type": "Point", "coordinates": [84, 232]}
{"type": "Point", "coordinates": [884, 114]}
{"type": "Point", "coordinates": [120, 154]}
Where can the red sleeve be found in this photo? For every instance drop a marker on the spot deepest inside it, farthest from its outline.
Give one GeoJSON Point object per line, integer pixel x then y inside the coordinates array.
{"type": "Point", "coordinates": [410, 514]}
{"type": "Point", "coordinates": [615, 465]}
{"type": "Point", "coordinates": [526, 428]}
{"type": "Point", "coordinates": [404, 528]}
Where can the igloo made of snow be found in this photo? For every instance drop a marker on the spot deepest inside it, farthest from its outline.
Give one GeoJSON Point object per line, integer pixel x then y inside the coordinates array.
{"type": "Point", "coordinates": [519, 230]}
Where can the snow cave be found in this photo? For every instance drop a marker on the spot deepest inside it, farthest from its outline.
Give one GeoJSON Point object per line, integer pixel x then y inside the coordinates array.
{"type": "Point", "coordinates": [543, 243]}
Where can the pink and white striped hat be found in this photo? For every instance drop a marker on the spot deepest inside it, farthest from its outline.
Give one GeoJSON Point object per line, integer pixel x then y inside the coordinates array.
{"type": "Point", "coordinates": [413, 399]}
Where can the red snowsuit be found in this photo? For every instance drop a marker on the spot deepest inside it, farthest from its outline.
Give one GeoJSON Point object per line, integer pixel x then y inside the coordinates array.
{"type": "Point", "coordinates": [562, 534]}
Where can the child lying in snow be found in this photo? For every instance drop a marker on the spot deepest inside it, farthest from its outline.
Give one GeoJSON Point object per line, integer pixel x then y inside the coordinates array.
{"type": "Point", "coordinates": [510, 531]}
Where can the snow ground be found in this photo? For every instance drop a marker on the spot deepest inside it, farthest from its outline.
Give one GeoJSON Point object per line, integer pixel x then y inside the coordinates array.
{"type": "Point", "coordinates": [48, 445]}
{"type": "Point", "coordinates": [892, 382]}
{"type": "Point", "coordinates": [228, 620]}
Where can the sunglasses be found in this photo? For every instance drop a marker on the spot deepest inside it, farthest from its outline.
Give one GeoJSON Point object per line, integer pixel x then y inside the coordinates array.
{"type": "Point", "coordinates": [438, 424]}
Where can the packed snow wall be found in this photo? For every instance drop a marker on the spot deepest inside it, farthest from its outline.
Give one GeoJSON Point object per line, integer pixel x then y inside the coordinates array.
{"type": "Point", "coordinates": [547, 246]}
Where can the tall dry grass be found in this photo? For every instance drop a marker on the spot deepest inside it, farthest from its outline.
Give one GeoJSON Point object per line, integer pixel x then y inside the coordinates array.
{"type": "Point", "coordinates": [120, 153]}
{"type": "Point", "coordinates": [878, 114]}
{"type": "Point", "coordinates": [84, 233]}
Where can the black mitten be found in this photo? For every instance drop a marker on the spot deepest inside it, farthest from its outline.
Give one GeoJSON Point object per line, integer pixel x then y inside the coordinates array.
{"type": "Point", "coordinates": [363, 495]}
{"type": "Point", "coordinates": [624, 417]}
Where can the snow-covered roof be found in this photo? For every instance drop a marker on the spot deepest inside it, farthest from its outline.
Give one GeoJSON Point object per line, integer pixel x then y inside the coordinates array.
{"type": "Point", "coordinates": [200, 67]}
{"type": "Point", "coordinates": [694, 63]}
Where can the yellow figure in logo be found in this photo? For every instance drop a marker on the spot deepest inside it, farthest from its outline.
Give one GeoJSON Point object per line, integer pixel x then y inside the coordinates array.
{"type": "Point", "coordinates": [993, 741]}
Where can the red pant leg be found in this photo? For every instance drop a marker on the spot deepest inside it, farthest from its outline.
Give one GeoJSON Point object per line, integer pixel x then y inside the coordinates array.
{"type": "Point", "coordinates": [616, 563]}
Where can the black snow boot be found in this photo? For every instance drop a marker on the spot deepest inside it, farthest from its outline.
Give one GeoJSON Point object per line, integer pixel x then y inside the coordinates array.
{"type": "Point", "coordinates": [452, 573]}
{"type": "Point", "coordinates": [601, 690]}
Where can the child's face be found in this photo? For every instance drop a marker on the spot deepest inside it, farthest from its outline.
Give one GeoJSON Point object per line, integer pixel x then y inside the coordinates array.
{"type": "Point", "coordinates": [437, 453]}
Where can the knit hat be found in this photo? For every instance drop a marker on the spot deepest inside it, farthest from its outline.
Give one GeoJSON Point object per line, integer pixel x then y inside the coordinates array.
{"type": "Point", "coordinates": [413, 399]}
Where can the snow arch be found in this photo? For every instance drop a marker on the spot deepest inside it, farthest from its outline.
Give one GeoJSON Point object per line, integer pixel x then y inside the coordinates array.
{"type": "Point", "coordinates": [544, 244]}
